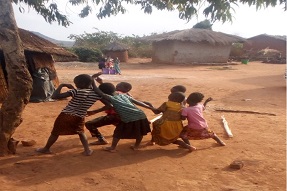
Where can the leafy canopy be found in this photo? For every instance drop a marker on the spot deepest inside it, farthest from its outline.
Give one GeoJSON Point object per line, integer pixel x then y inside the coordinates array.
{"type": "Point", "coordinates": [100, 39]}
{"type": "Point", "coordinates": [220, 10]}
{"type": "Point", "coordinates": [203, 25]}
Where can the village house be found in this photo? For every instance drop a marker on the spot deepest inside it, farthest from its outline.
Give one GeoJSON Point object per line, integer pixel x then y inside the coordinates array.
{"type": "Point", "coordinates": [264, 41]}
{"type": "Point", "coordinates": [116, 49]}
{"type": "Point", "coordinates": [39, 54]}
{"type": "Point", "coordinates": [192, 46]}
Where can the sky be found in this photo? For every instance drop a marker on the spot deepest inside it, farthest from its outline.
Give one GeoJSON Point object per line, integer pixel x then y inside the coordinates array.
{"type": "Point", "coordinates": [247, 22]}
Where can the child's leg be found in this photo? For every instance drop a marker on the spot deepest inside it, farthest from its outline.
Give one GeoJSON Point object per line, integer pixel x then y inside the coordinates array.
{"type": "Point", "coordinates": [112, 148]}
{"type": "Point", "coordinates": [150, 143]}
{"type": "Point", "coordinates": [186, 141]}
{"type": "Point", "coordinates": [184, 145]}
{"type": "Point", "coordinates": [94, 124]}
{"type": "Point", "coordinates": [218, 140]}
{"type": "Point", "coordinates": [137, 143]}
{"type": "Point", "coordinates": [46, 149]}
{"type": "Point", "coordinates": [85, 144]}
{"type": "Point", "coordinates": [115, 142]}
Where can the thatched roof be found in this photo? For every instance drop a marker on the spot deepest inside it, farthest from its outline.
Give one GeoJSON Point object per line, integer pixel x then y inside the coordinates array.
{"type": "Point", "coordinates": [279, 37]}
{"type": "Point", "coordinates": [34, 43]}
{"type": "Point", "coordinates": [116, 46]}
{"type": "Point", "coordinates": [196, 36]}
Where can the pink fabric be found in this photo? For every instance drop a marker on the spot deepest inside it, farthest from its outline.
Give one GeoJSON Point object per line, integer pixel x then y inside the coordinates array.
{"type": "Point", "coordinates": [194, 115]}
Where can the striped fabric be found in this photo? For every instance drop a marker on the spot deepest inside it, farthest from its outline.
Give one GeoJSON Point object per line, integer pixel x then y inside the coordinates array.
{"type": "Point", "coordinates": [82, 100]}
{"type": "Point", "coordinates": [127, 111]}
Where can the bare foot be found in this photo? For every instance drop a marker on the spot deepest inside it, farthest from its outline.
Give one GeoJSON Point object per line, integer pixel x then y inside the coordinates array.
{"type": "Point", "coordinates": [88, 153]}
{"type": "Point", "coordinates": [191, 148]}
{"type": "Point", "coordinates": [99, 143]}
{"type": "Point", "coordinates": [110, 149]}
{"type": "Point", "coordinates": [150, 143]}
{"type": "Point", "coordinates": [43, 151]}
{"type": "Point", "coordinates": [221, 143]}
{"type": "Point", "coordinates": [135, 148]}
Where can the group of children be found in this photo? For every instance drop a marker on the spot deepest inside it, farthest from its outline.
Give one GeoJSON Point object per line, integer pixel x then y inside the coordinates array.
{"type": "Point", "coordinates": [111, 65]}
{"type": "Point", "coordinates": [129, 120]}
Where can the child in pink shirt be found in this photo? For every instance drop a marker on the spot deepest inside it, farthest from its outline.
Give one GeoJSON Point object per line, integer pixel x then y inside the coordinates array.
{"type": "Point", "coordinates": [197, 127]}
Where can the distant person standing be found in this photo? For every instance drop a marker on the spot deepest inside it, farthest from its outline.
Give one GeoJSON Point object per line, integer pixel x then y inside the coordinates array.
{"type": "Point", "coordinates": [102, 63]}
{"type": "Point", "coordinates": [109, 63]}
{"type": "Point", "coordinates": [117, 66]}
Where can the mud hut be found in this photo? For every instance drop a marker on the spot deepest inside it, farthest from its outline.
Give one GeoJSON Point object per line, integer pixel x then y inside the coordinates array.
{"type": "Point", "coordinates": [192, 46]}
{"type": "Point", "coordinates": [39, 54]}
{"type": "Point", "coordinates": [264, 42]}
{"type": "Point", "coordinates": [116, 49]}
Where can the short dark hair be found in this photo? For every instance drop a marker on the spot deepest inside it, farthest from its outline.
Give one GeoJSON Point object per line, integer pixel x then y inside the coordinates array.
{"type": "Point", "coordinates": [107, 88]}
{"type": "Point", "coordinates": [178, 88]}
{"type": "Point", "coordinates": [124, 87]}
{"type": "Point", "coordinates": [83, 81]}
{"type": "Point", "coordinates": [194, 98]}
{"type": "Point", "coordinates": [176, 97]}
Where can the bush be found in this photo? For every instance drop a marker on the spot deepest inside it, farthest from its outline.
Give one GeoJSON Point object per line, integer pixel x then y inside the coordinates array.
{"type": "Point", "coordinates": [87, 54]}
{"type": "Point", "coordinates": [143, 51]}
{"type": "Point", "coordinates": [236, 50]}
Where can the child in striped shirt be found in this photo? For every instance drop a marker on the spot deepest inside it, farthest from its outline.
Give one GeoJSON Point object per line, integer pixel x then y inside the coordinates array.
{"type": "Point", "coordinates": [72, 118]}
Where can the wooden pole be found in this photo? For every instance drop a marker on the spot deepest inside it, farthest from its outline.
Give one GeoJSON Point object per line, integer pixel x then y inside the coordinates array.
{"type": "Point", "coordinates": [226, 127]}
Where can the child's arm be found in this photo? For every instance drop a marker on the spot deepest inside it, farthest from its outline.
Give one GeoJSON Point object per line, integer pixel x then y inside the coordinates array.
{"type": "Point", "coordinates": [57, 93]}
{"type": "Point", "coordinates": [183, 114]}
{"type": "Point", "coordinates": [99, 80]}
{"type": "Point", "coordinates": [97, 90]}
{"type": "Point", "coordinates": [161, 109]}
{"type": "Point", "coordinates": [107, 106]}
{"type": "Point", "coordinates": [207, 100]}
{"type": "Point", "coordinates": [146, 105]}
{"type": "Point", "coordinates": [156, 111]}
{"type": "Point", "coordinates": [142, 104]}
{"type": "Point", "coordinates": [129, 94]}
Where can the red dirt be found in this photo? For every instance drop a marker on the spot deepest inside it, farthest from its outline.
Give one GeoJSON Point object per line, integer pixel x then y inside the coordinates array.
{"type": "Point", "coordinates": [259, 139]}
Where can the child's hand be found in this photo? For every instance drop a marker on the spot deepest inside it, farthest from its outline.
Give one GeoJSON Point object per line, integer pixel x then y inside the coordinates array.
{"type": "Point", "coordinates": [99, 80]}
{"type": "Point", "coordinates": [155, 111]}
{"type": "Point", "coordinates": [209, 99]}
{"type": "Point", "coordinates": [97, 75]}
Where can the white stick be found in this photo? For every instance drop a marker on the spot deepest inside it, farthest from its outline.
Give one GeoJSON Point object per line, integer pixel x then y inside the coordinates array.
{"type": "Point", "coordinates": [226, 128]}
{"type": "Point", "coordinates": [156, 118]}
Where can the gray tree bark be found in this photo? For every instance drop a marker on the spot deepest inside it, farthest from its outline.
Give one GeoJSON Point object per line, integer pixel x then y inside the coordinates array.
{"type": "Point", "coordinates": [19, 78]}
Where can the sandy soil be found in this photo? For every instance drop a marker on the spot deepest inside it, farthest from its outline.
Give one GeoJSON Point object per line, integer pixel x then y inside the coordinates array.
{"type": "Point", "coordinates": [259, 138]}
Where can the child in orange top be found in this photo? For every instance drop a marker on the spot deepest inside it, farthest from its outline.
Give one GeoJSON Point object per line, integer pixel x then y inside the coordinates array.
{"type": "Point", "coordinates": [167, 129]}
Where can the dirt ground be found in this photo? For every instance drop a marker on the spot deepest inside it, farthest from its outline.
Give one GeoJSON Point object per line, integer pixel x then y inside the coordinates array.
{"type": "Point", "coordinates": [259, 138]}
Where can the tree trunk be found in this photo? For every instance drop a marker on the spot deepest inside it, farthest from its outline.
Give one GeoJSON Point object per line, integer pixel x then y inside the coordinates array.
{"type": "Point", "coordinates": [19, 78]}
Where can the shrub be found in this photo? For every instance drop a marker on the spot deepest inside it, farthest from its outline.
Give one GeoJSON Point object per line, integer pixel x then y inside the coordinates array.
{"type": "Point", "coordinates": [236, 50]}
{"type": "Point", "coordinates": [87, 54]}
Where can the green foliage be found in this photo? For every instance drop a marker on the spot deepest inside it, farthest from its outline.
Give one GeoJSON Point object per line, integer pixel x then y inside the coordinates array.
{"type": "Point", "coordinates": [144, 50]}
{"type": "Point", "coordinates": [97, 39]}
{"type": "Point", "coordinates": [50, 11]}
{"type": "Point", "coordinates": [203, 25]}
{"type": "Point", "coordinates": [236, 50]}
{"type": "Point", "coordinates": [87, 54]}
{"type": "Point", "coordinates": [220, 10]}
{"type": "Point", "coordinates": [100, 39]}
{"type": "Point", "coordinates": [137, 48]}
